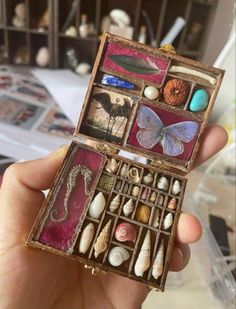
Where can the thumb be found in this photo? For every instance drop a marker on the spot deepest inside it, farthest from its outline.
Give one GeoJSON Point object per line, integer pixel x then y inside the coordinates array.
{"type": "Point", "coordinates": [21, 196]}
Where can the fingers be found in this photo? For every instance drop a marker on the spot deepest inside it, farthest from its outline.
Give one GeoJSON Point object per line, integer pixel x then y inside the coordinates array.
{"type": "Point", "coordinates": [213, 140]}
{"type": "Point", "coordinates": [180, 257]}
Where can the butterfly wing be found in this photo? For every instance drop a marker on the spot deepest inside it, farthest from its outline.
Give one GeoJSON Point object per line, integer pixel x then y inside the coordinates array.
{"type": "Point", "coordinates": [150, 127]}
{"type": "Point", "coordinates": [171, 145]}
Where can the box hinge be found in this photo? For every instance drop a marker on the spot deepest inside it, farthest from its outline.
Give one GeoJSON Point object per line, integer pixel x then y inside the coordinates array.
{"type": "Point", "coordinates": [94, 270]}
{"type": "Point", "coordinates": [159, 164]}
{"type": "Point", "coordinates": [167, 48]}
{"type": "Point", "coordinates": [106, 149]}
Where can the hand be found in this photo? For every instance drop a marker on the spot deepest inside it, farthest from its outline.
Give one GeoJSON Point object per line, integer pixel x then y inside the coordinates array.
{"type": "Point", "coordinates": [33, 279]}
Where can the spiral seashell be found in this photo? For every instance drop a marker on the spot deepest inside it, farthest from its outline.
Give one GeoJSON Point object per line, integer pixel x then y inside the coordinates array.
{"type": "Point", "coordinates": [128, 207]}
{"type": "Point", "coordinates": [158, 264]}
{"type": "Point", "coordinates": [112, 166]}
{"type": "Point", "coordinates": [125, 232]}
{"type": "Point", "coordinates": [153, 197]}
{"type": "Point", "coordinates": [168, 221]}
{"type": "Point", "coordinates": [86, 238]}
{"type": "Point", "coordinates": [135, 191]}
{"type": "Point", "coordinates": [124, 170]}
{"type": "Point", "coordinates": [148, 179]}
{"type": "Point", "coordinates": [156, 218]}
{"type": "Point", "coordinates": [115, 203]}
{"type": "Point", "coordinates": [163, 184]}
{"type": "Point", "coordinates": [142, 214]}
{"type": "Point", "coordinates": [143, 260]}
{"type": "Point", "coordinates": [133, 175]}
{"type": "Point", "coordinates": [172, 204]}
{"type": "Point", "coordinates": [176, 187]}
{"type": "Point", "coordinates": [97, 206]}
{"type": "Point", "coordinates": [102, 240]}
{"type": "Point", "coordinates": [117, 256]}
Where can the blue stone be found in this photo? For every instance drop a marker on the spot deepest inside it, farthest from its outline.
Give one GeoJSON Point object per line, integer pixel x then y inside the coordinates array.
{"type": "Point", "coordinates": [199, 101]}
{"type": "Point", "coordinates": [114, 81]}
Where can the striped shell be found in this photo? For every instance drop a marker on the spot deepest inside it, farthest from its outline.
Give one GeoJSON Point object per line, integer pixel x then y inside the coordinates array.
{"type": "Point", "coordinates": [125, 232]}
{"type": "Point", "coordinates": [115, 203]}
{"type": "Point", "coordinates": [128, 207]}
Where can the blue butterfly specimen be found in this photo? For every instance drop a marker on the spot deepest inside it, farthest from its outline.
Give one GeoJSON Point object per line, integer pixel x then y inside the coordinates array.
{"type": "Point", "coordinates": [114, 81]}
{"type": "Point", "coordinates": [152, 131]}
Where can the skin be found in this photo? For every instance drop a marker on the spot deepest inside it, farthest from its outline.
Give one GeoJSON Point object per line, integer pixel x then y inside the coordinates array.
{"type": "Point", "coordinates": [33, 279]}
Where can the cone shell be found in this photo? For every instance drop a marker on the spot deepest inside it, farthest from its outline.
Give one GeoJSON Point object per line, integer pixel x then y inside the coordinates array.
{"type": "Point", "coordinates": [128, 207]}
{"type": "Point", "coordinates": [168, 221]}
{"type": "Point", "coordinates": [143, 260]}
{"type": "Point", "coordinates": [148, 179]}
{"type": "Point", "coordinates": [135, 191]}
{"type": "Point", "coordinates": [156, 218]}
{"type": "Point", "coordinates": [142, 214]}
{"type": "Point", "coordinates": [102, 240]}
{"type": "Point", "coordinates": [133, 175]}
{"type": "Point", "coordinates": [153, 197]}
{"type": "Point", "coordinates": [97, 206]}
{"type": "Point", "coordinates": [112, 166]}
{"type": "Point", "coordinates": [176, 187]}
{"type": "Point", "coordinates": [124, 170]}
{"type": "Point", "coordinates": [158, 264]}
{"type": "Point", "coordinates": [86, 238]}
{"type": "Point", "coordinates": [163, 183]}
{"type": "Point", "coordinates": [115, 203]}
{"type": "Point", "coordinates": [117, 256]}
{"type": "Point", "coordinates": [125, 232]}
{"type": "Point", "coordinates": [172, 204]}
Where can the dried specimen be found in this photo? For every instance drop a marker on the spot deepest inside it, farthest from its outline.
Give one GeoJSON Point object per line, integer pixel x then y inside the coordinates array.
{"type": "Point", "coordinates": [175, 92]}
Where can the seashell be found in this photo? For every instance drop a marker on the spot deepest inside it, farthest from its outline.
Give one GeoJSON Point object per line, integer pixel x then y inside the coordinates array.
{"type": "Point", "coordinates": [120, 18]}
{"type": "Point", "coordinates": [133, 175]}
{"type": "Point", "coordinates": [156, 218]}
{"type": "Point", "coordinates": [157, 268]}
{"type": "Point", "coordinates": [117, 256]}
{"type": "Point", "coordinates": [163, 183]}
{"type": "Point", "coordinates": [151, 93]}
{"type": "Point", "coordinates": [125, 188]}
{"type": "Point", "coordinates": [168, 221]}
{"type": "Point", "coordinates": [125, 232]}
{"type": "Point", "coordinates": [172, 204]}
{"type": "Point", "coordinates": [83, 68]}
{"type": "Point", "coordinates": [135, 191]}
{"type": "Point", "coordinates": [143, 260]}
{"type": "Point", "coordinates": [43, 57]}
{"type": "Point", "coordinates": [160, 200]}
{"type": "Point", "coordinates": [118, 185]}
{"type": "Point", "coordinates": [97, 206]}
{"type": "Point", "coordinates": [142, 214]}
{"type": "Point", "coordinates": [112, 166]}
{"type": "Point", "coordinates": [153, 197]}
{"type": "Point", "coordinates": [124, 170]}
{"type": "Point", "coordinates": [144, 194]}
{"type": "Point", "coordinates": [176, 187]}
{"type": "Point", "coordinates": [115, 203]}
{"type": "Point", "coordinates": [102, 240]}
{"type": "Point", "coordinates": [128, 207]}
{"type": "Point", "coordinates": [175, 92]}
{"type": "Point", "coordinates": [148, 179]}
{"type": "Point", "coordinates": [86, 238]}
{"type": "Point", "coordinates": [71, 31]}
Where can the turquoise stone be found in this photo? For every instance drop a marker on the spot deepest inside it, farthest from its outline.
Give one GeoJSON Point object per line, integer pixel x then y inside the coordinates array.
{"type": "Point", "coordinates": [199, 101]}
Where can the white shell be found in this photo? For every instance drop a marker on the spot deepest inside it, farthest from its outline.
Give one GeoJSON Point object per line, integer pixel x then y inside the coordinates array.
{"type": "Point", "coordinates": [168, 221]}
{"type": "Point", "coordinates": [176, 187]}
{"type": "Point", "coordinates": [124, 170]}
{"type": "Point", "coordinates": [97, 206]}
{"type": "Point", "coordinates": [151, 93]}
{"type": "Point", "coordinates": [71, 31]}
{"type": "Point", "coordinates": [163, 183]}
{"type": "Point", "coordinates": [128, 207]}
{"type": "Point", "coordinates": [118, 185]}
{"type": "Point", "coordinates": [160, 200]}
{"type": "Point", "coordinates": [133, 175]}
{"type": "Point", "coordinates": [102, 240]}
{"type": "Point", "coordinates": [120, 18]}
{"type": "Point", "coordinates": [153, 197]}
{"type": "Point", "coordinates": [83, 68]}
{"type": "Point", "coordinates": [117, 256]}
{"type": "Point", "coordinates": [148, 179]}
{"type": "Point", "coordinates": [86, 238]}
{"type": "Point", "coordinates": [143, 260]}
{"type": "Point", "coordinates": [157, 268]}
{"type": "Point", "coordinates": [156, 218]}
{"type": "Point", "coordinates": [135, 191]}
{"type": "Point", "coordinates": [115, 203]}
{"type": "Point", "coordinates": [111, 166]}
{"type": "Point", "coordinates": [42, 57]}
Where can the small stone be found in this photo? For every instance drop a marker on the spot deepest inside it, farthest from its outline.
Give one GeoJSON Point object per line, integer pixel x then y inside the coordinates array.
{"type": "Point", "coordinates": [199, 101]}
{"type": "Point", "coordinates": [151, 93]}
{"type": "Point", "coordinates": [176, 187]}
{"type": "Point", "coordinates": [142, 214]}
{"type": "Point", "coordinates": [135, 191]}
{"type": "Point", "coordinates": [172, 204]}
{"type": "Point", "coordinates": [153, 197]}
{"type": "Point", "coordinates": [163, 184]}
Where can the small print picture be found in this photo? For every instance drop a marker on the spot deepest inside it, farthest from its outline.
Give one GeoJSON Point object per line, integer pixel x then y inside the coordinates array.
{"type": "Point", "coordinates": [18, 112]}
{"type": "Point", "coordinates": [57, 124]}
{"type": "Point", "coordinates": [107, 115]}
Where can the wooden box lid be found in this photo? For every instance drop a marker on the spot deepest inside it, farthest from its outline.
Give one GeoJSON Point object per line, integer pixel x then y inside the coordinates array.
{"type": "Point", "coordinates": [147, 101]}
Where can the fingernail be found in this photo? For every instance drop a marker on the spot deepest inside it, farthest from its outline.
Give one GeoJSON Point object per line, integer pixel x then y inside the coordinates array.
{"type": "Point", "coordinates": [58, 152]}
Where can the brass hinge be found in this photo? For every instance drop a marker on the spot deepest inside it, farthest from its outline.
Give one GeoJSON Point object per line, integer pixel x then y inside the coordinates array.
{"type": "Point", "coordinates": [94, 270]}
{"type": "Point", "coordinates": [167, 48]}
{"type": "Point", "coordinates": [159, 164]}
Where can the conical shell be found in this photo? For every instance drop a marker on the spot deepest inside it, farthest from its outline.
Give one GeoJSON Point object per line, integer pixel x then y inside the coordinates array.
{"type": "Point", "coordinates": [97, 206]}
{"type": "Point", "coordinates": [153, 197]}
{"type": "Point", "coordinates": [124, 170]}
{"type": "Point", "coordinates": [143, 260]}
{"type": "Point", "coordinates": [148, 179]}
{"type": "Point", "coordinates": [168, 221]}
{"type": "Point", "coordinates": [112, 166]}
{"type": "Point", "coordinates": [102, 240]}
{"type": "Point", "coordinates": [128, 207]}
{"type": "Point", "coordinates": [115, 203]}
{"type": "Point", "coordinates": [158, 264]}
{"type": "Point", "coordinates": [163, 184]}
{"type": "Point", "coordinates": [133, 175]}
{"type": "Point", "coordinates": [117, 256]}
{"type": "Point", "coordinates": [86, 238]}
{"type": "Point", "coordinates": [172, 204]}
{"type": "Point", "coordinates": [176, 187]}
{"type": "Point", "coordinates": [156, 218]}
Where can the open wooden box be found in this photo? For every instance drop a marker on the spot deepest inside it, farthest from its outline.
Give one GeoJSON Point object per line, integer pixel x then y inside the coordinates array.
{"type": "Point", "coordinates": [112, 213]}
